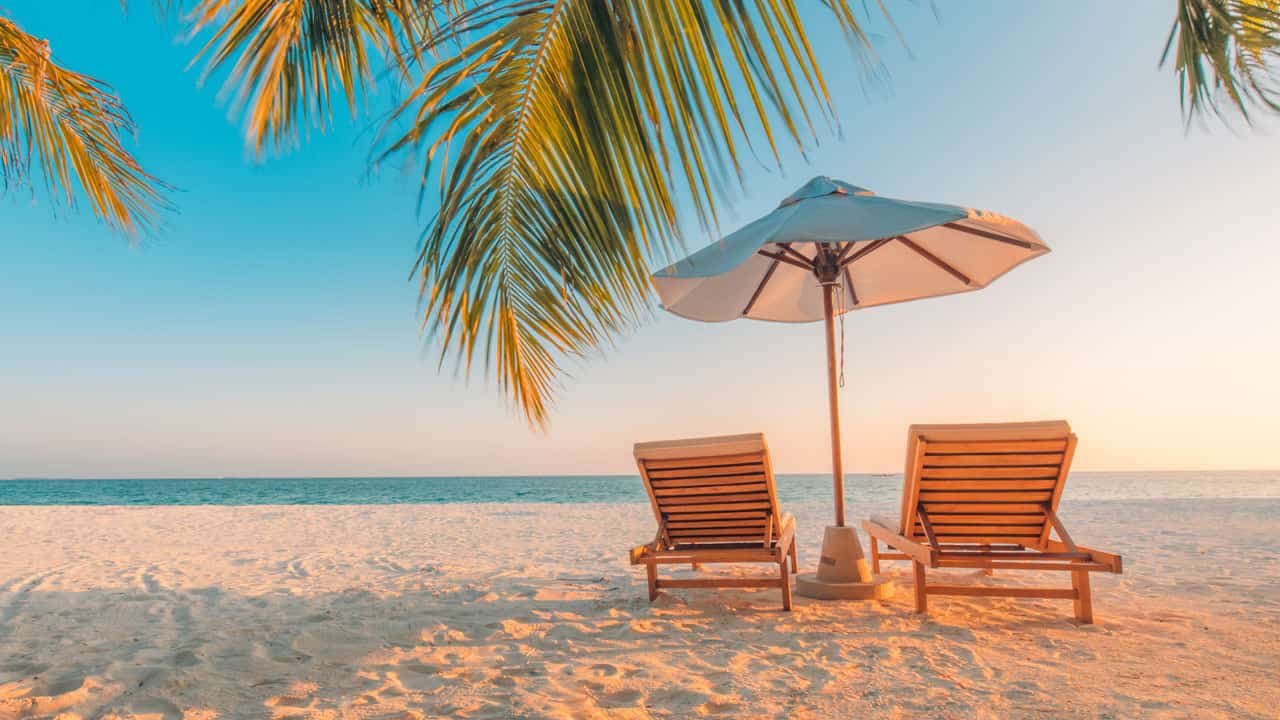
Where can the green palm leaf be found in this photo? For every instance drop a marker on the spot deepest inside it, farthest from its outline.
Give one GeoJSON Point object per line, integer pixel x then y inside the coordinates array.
{"type": "Point", "coordinates": [558, 130]}
{"type": "Point", "coordinates": [62, 129]}
{"type": "Point", "coordinates": [1227, 50]}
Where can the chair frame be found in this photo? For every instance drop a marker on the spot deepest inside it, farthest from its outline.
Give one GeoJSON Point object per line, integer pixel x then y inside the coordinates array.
{"type": "Point", "coordinates": [777, 546]}
{"type": "Point", "coordinates": [1043, 553]}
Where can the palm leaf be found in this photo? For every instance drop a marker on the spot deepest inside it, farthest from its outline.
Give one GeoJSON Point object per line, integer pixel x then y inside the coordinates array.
{"type": "Point", "coordinates": [559, 129]}
{"type": "Point", "coordinates": [61, 129]}
{"type": "Point", "coordinates": [292, 56]}
{"type": "Point", "coordinates": [1227, 55]}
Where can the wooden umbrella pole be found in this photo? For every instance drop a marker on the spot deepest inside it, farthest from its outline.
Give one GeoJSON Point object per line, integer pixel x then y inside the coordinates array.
{"type": "Point", "coordinates": [837, 462]}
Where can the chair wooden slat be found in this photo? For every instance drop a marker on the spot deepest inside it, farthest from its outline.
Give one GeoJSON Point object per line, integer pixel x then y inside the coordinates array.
{"type": "Point", "coordinates": [708, 461]}
{"type": "Point", "coordinates": [997, 446]}
{"type": "Point", "coordinates": [709, 480]}
{"type": "Point", "coordinates": [985, 473]}
{"type": "Point", "coordinates": [675, 503]}
{"type": "Point", "coordinates": [944, 531]}
{"type": "Point", "coordinates": [758, 487]}
{"type": "Point", "coordinates": [1027, 540]}
{"type": "Point", "coordinates": [726, 515]}
{"type": "Point", "coordinates": [994, 485]}
{"type": "Point", "coordinates": [1054, 459]}
{"type": "Point", "coordinates": [680, 473]}
{"type": "Point", "coordinates": [712, 507]}
{"type": "Point", "coordinates": [673, 525]}
{"type": "Point", "coordinates": [740, 533]}
{"type": "Point", "coordinates": [980, 496]}
{"type": "Point", "coordinates": [940, 519]}
{"type": "Point", "coordinates": [983, 507]}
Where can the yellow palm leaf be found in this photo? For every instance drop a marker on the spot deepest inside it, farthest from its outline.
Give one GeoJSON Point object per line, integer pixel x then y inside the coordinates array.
{"type": "Point", "coordinates": [64, 130]}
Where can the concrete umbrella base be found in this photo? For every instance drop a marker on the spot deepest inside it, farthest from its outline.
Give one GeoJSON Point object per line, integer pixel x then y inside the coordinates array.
{"type": "Point", "coordinates": [843, 572]}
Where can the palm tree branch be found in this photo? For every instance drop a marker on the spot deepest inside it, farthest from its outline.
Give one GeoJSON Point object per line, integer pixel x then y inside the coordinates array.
{"type": "Point", "coordinates": [558, 128]}
{"type": "Point", "coordinates": [1227, 56]}
{"type": "Point", "coordinates": [286, 60]}
{"type": "Point", "coordinates": [72, 126]}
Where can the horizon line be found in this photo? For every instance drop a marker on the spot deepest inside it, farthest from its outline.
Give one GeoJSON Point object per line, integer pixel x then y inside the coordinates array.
{"type": "Point", "coordinates": [539, 475]}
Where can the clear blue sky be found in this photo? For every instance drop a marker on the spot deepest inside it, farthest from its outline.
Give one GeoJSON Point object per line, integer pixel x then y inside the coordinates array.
{"type": "Point", "coordinates": [271, 329]}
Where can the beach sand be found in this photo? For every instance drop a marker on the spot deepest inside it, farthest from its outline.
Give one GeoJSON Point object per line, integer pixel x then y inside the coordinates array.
{"type": "Point", "coordinates": [496, 611]}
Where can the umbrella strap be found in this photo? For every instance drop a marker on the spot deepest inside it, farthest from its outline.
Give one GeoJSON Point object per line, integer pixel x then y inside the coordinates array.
{"type": "Point", "coordinates": [841, 310]}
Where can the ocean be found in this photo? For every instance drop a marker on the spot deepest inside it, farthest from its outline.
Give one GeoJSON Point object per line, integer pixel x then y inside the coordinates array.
{"type": "Point", "coordinates": [569, 489]}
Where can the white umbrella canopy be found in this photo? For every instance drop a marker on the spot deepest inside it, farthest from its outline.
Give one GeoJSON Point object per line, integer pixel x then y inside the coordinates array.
{"type": "Point", "coordinates": [874, 250]}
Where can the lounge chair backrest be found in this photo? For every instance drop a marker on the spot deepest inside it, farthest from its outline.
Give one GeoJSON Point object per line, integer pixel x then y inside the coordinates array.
{"type": "Point", "coordinates": [985, 483]}
{"type": "Point", "coordinates": [713, 490]}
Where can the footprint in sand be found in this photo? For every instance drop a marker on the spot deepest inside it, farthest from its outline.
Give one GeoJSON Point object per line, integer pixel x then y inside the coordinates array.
{"type": "Point", "coordinates": [148, 580]}
{"type": "Point", "coordinates": [34, 698]}
{"type": "Point", "coordinates": [419, 678]}
{"type": "Point", "coordinates": [678, 698]}
{"type": "Point", "coordinates": [621, 698]}
{"type": "Point", "coordinates": [604, 670]}
{"type": "Point", "coordinates": [158, 708]}
{"type": "Point", "coordinates": [298, 699]}
{"type": "Point", "coordinates": [719, 707]}
{"type": "Point", "coordinates": [644, 627]}
{"type": "Point", "coordinates": [22, 668]}
{"type": "Point", "coordinates": [185, 658]}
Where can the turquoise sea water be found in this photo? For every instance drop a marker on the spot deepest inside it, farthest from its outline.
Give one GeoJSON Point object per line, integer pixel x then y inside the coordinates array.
{"type": "Point", "coordinates": [566, 489]}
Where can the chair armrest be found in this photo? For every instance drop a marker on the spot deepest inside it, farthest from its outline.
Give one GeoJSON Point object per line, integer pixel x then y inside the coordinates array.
{"type": "Point", "coordinates": [637, 554]}
{"type": "Point", "coordinates": [1113, 562]}
{"type": "Point", "coordinates": [901, 543]}
{"type": "Point", "coordinates": [787, 535]}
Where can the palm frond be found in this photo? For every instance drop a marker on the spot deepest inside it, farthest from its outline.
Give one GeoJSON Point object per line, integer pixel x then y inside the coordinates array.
{"type": "Point", "coordinates": [560, 130]}
{"type": "Point", "coordinates": [61, 129]}
{"type": "Point", "coordinates": [1227, 56]}
{"type": "Point", "coordinates": [289, 58]}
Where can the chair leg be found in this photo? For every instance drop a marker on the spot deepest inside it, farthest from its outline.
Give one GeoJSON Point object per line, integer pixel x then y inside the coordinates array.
{"type": "Point", "coordinates": [786, 584]}
{"type": "Point", "coordinates": [922, 598]}
{"type": "Point", "coordinates": [1084, 596]}
{"type": "Point", "coordinates": [875, 556]}
{"type": "Point", "coordinates": [651, 569]}
{"type": "Point", "coordinates": [795, 563]}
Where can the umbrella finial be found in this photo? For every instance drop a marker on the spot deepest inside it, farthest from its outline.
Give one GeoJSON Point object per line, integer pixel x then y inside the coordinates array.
{"type": "Point", "coordinates": [821, 186]}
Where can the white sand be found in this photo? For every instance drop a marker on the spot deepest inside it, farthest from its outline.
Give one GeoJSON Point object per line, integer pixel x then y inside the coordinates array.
{"type": "Point", "coordinates": [532, 611]}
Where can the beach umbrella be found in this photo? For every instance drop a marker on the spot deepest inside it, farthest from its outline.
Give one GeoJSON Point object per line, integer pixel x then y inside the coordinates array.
{"type": "Point", "coordinates": [831, 248]}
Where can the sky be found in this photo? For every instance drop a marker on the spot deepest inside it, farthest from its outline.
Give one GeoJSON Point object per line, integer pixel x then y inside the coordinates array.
{"type": "Point", "coordinates": [270, 329]}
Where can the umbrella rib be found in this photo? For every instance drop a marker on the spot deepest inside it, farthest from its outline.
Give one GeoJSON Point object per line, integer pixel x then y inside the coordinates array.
{"type": "Point", "coordinates": [934, 259]}
{"type": "Point", "coordinates": [786, 247]}
{"type": "Point", "coordinates": [875, 245]}
{"type": "Point", "coordinates": [780, 257]}
{"type": "Point", "coordinates": [844, 250]}
{"type": "Point", "coordinates": [989, 235]}
{"type": "Point", "coordinates": [760, 288]}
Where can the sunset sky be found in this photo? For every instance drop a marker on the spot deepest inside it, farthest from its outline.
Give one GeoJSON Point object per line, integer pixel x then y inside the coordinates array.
{"type": "Point", "coordinates": [270, 328]}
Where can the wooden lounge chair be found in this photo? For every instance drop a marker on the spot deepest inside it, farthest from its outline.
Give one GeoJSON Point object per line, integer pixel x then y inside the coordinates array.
{"type": "Point", "coordinates": [715, 502]}
{"type": "Point", "coordinates": [986, 496]}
